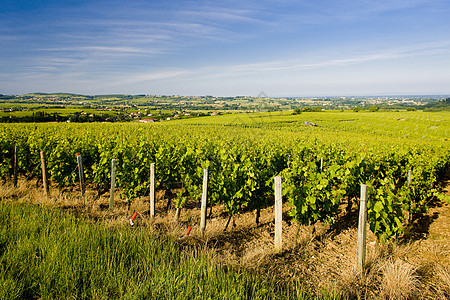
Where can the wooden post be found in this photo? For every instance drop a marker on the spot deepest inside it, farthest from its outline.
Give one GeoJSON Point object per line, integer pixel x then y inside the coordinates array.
{"type": "Point", "coordinates": [113, 183]}
{"type": "Point", "coordinates": [278, 214]}
{"type": "Point", "coordinates": [81, 174]}
{"type": "Point", "coordinates": [15, 164]}
{"type": "Point", "coordinates": [321, 164]}
{"type": "Point", "coordinates": [362, 230]}
{"type": "Point", "coordinates": [177, 214]}
{"type": "Point", "coordinates": [408, 214]}
{"type": "Point", "coordinates": [152, 190]}
{"type": "Point", "coordinates": [44, 174]}
{"type": "Point", "coordinates": [204, 200]}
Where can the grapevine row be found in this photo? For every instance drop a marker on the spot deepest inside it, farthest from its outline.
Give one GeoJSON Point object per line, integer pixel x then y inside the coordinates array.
{"type": "Point", "coordinates": [242, 166]}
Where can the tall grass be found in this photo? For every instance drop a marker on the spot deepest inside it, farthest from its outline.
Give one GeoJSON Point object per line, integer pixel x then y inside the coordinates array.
{"type": "Point", "coordinates": [49, 254]}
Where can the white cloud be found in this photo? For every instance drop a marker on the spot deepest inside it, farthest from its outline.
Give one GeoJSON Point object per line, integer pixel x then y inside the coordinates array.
{"type": "Point", "coordinates": [240, 73]}
{"type": "Point", "coordinates": [220, 14]}
{"type": "Point", "coordinates": [313, 63]}
{"type": "Point", "coordinates": [156, 75]}
{"type": "Point", "coordinates": [98, 48]}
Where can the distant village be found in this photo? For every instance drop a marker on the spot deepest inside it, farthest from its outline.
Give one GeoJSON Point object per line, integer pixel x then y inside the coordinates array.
{"type": "Point", "coordinates": [62, 107]}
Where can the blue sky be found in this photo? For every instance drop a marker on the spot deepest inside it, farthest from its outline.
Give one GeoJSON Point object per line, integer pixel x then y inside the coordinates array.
{"type": "Point", "coordinates": [225, 48]}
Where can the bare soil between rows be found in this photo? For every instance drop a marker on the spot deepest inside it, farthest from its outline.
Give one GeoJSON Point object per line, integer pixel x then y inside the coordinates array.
{"type": "Point", "coordinates": [320, 257]}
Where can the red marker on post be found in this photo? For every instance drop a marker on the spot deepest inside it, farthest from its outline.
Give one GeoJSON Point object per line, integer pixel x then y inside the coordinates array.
{"type": "Point", "coordinates": [132, 219]}
{"type": "Point", "coordinates": [188, 232]}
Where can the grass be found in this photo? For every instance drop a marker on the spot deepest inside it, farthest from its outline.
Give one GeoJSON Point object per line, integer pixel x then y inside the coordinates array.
{"type": "Point", "coordinates": [399, 280]}
{"type": "Point", "coordinates": [104, 257]}
{"type": "Point", "coordinates": [49, 254]}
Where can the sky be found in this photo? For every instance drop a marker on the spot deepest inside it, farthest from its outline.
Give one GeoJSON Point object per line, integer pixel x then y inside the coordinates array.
{"type": "Point", "coordinates": [283, 48]}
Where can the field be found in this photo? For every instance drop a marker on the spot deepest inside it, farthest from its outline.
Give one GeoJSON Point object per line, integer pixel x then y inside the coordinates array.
{"type": "Point", "coordinates": [50, 254]}
{"type": "Point", "coordinates": [322, 168]}
{"type": "Point", "coordinates": [13, 105]}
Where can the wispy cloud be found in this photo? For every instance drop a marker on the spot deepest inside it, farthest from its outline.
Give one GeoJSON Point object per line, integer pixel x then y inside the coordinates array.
{"type": "Point", "coordinates": [312, 63]}
{"type": "Point", "coordinates": [104, 50]}
{"type": "Point", "coordinates": [143, 43]}
{"type": "Point", "coordinates": [220, 14]}
{"type": "Point", "coordinates": [155, 75]}
{"type": "Point", "coordinates": [272, 68]}
{"type": "Point", "coordinates": [6, 38]}
{"type": "Point", "coordinates": [252, 69]}
{"type": "Point", "coordinates": [337, 12]}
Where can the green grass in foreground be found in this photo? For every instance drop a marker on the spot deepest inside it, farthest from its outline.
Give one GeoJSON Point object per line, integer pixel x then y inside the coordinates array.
{"type": "Point", "coordinates": [54, 255]}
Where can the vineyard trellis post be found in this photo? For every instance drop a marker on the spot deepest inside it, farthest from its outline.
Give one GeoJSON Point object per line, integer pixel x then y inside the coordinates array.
{"type": "Point", "coordinates": [409, 177]}
{"type": "Point", "coordinates": [278, 214]}
{"type": "Point", "coordinates": [408, 212]}
{"type": "Point", "coordinates": [177, 214]}
{"type": "Point", "coordinates": [16, 149]}
{"type": "Point", "coordinates": [81, 175]}
{"type": "Point", "coordinates": [321, 164]}
{"type": "Point", "coordinates": [152, 190]}
{"type": "Point", "coordinates": [44, 174]}
{"type": "Point", "coordinates": [113, 183]}
{"type": "Point", "coordinates": [204, 200]}
{"type": "Point", "coordinates": [362, 230]}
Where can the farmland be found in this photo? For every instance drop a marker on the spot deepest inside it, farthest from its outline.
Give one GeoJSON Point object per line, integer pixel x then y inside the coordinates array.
{"type": "Point", "coordinates": [321, 166]}
{"type": "Point", "coordinates": [61, 107]}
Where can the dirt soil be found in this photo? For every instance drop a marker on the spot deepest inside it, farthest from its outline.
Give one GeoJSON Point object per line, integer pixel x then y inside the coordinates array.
{"type": "Point", "coordinates": [320, 257]}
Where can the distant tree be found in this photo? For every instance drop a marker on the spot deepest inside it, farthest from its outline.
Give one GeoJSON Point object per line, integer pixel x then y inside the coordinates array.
{"type": "Point", "coordinates": [356, 109]}
{"type": "Point", "coordinates": [74, 118]}
{"type": "Point", "coordinates": [373, 108]}
{"type": "Point", "coordinates": [410, 109]}
{"type": "Point", "coordinates": [297, 111]}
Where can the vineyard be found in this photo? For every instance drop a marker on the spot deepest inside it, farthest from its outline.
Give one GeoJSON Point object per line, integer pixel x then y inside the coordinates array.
{"type": "Point", "coordinates": [399, 155]}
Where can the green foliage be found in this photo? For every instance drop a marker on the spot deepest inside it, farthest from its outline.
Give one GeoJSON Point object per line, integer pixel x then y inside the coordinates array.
{"type": "Point", "coordinates": [384, 210]}
{"type": "Point", "coordinates": [313, 194]}
{"type": "Point", "coordinates": [243, 153]}
{"type": "Point", "coordinates": [312, 109]}
{"type": "Point", "coordinates": [297, 111]}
